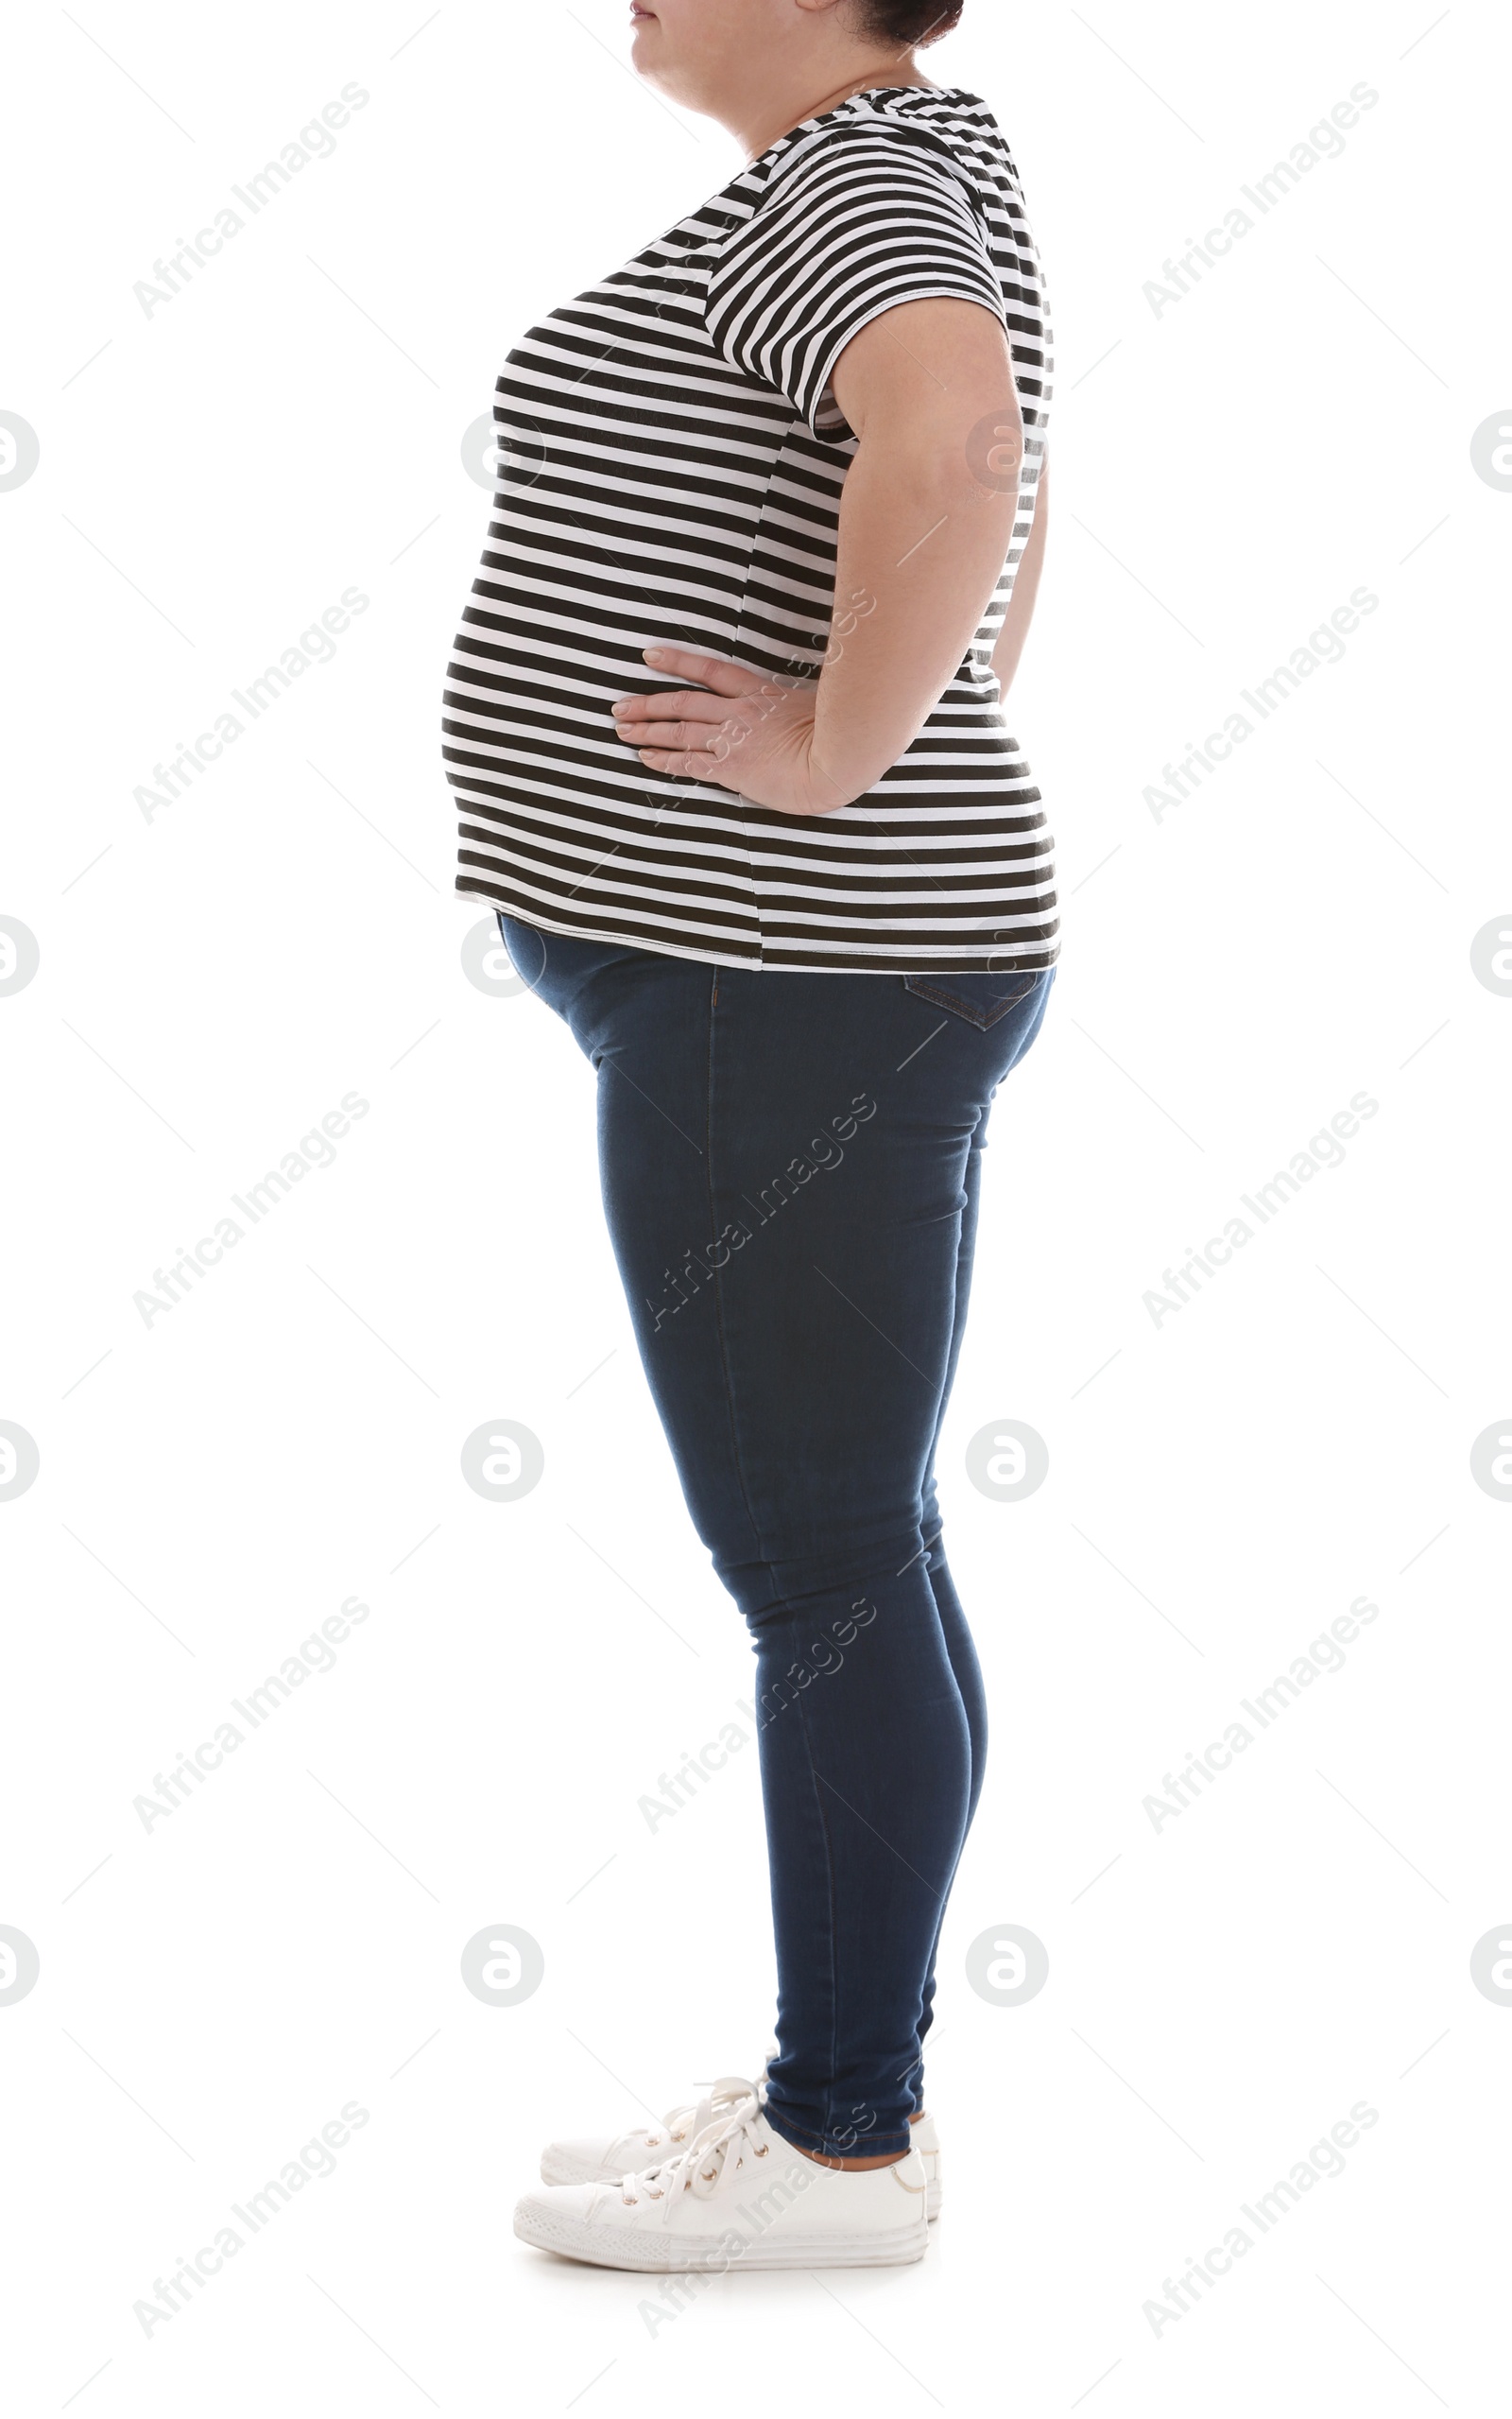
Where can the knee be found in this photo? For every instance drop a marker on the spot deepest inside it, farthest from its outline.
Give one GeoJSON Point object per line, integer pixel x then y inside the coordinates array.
{"type": "Point", "coordinates": [832, 1584]}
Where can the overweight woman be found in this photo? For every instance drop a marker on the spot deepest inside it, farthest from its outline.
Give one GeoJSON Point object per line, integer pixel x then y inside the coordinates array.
{"type": "Point", "coordinates": [723, 723]}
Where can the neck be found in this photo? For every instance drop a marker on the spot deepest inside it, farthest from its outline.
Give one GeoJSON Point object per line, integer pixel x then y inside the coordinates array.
{"type": "Point", "coordinates": [760, 118]}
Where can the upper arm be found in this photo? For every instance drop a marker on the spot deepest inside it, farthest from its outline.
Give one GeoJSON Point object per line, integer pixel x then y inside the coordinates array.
{"type": "Point", "coordinates": [942, 369]}
{"type": "Point", "coordinates": [866, 221]}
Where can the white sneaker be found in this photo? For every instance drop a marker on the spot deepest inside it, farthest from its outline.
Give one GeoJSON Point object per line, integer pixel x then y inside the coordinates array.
{"type": "Point", "coordinates": [737, 2196]}
{"type": "Point", "coordinates": [592, 2160]}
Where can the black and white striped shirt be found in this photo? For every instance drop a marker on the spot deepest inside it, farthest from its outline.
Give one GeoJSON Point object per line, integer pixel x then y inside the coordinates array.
{"type": "Point", "coordinates": [672, 467]}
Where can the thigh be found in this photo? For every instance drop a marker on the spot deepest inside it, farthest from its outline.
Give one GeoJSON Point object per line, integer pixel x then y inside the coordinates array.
{"type": "Point", "coordinates": [785, 1159]}
{"type": "Point", "coordinates": [844, 1111]}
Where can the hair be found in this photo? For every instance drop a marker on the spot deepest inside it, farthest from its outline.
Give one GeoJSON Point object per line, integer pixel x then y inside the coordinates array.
{"type": "Point", "coordinates": [908, 23]}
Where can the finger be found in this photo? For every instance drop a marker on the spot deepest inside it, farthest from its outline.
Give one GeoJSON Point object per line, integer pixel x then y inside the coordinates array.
{"type": "Point", "coordinates": [720, 738]}
{"type": "Point", "coordinates": [685, 705]}
{"type": "Point", "coordinates": [665, 734]}
{"type": "Point", "coordinates": [698, 765]}
{"type": "Point", "coordinates": [730, 680]}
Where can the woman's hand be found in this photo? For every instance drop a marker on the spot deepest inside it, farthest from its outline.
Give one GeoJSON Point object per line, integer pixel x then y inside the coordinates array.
{"type": "Point", "coordinates": [739, 731]}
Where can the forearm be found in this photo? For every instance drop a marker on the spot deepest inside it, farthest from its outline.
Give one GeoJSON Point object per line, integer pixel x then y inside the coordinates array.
{"type": "Point", "coordinates": [1010, 647]}
{"type": "Point", "coordinates": [922, 549]}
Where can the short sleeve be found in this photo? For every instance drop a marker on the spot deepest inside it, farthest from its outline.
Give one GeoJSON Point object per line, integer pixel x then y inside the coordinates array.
{"type": "Point", "coordinates": [866, 218]}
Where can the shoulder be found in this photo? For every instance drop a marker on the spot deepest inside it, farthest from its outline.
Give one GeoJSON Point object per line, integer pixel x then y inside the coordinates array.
{"type": "Point", "coordinates": [905, 129]}
{"type": "Point", "coordinates": [849, 156]}
{"type": "Point", "coordinates": [871, 141]}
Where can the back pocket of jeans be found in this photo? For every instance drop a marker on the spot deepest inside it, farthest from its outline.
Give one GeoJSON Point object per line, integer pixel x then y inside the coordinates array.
{"type": "Point", "coordinates": [980, 998]}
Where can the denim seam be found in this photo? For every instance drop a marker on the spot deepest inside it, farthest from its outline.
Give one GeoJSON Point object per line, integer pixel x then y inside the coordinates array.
{"type": "Point", "coordinates": [922, 989]}
{"type": "Point", "coordinates": [828, 1877]}
{"type": "Point", "coordinates": [755, 1527]}
{"type": "Point", "coordinates": [718, 1290]}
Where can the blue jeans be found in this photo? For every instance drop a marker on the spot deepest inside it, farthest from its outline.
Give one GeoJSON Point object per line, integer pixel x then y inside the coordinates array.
{"type": "Point", "coordinates": [791, 1167]}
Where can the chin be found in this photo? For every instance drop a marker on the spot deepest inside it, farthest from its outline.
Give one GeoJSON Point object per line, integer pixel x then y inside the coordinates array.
{"type": "Point", "coordinates": [647, 54]}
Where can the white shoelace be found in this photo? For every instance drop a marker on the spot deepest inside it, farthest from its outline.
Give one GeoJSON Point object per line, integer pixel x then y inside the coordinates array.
{"type": "Point", "coordinates": [726, 2143]}
{"type": "Point", "coordinates": [683, 2124]}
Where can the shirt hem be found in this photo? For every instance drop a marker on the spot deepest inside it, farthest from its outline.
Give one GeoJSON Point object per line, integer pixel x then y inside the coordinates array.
{"type": "Point", "coordinates": [774, 959]}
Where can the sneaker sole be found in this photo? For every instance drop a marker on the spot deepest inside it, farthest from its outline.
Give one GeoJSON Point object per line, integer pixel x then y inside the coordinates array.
{"type": "Point", "coordinates": [570, 2240]}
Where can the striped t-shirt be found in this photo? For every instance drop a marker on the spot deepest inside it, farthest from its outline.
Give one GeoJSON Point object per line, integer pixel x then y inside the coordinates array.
{"type": "Point", "coordinates": [671, 461]}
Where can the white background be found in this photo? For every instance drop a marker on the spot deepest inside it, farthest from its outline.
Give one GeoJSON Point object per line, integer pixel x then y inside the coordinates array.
{"type": "Point", "coordinates": [1222, 1486]}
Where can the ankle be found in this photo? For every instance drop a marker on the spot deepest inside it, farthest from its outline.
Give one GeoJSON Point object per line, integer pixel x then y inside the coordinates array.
{"type": "Point", "coordinates": [850, 2167]}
